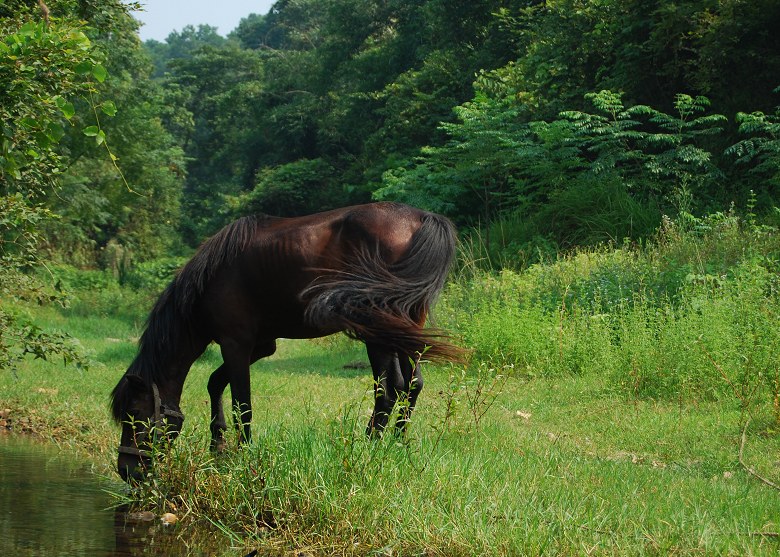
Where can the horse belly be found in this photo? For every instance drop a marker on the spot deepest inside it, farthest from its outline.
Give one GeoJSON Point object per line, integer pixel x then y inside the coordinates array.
{"type": "Point", "coordinates": [249, 311]}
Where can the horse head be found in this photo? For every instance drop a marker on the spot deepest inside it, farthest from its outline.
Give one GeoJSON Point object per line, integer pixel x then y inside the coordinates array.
{"type": "Point", "coordinates": [147, 421]}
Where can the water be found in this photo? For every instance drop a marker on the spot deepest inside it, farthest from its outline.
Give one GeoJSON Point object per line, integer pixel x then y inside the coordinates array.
{"type": "Point", "coordinates": [50, 506]}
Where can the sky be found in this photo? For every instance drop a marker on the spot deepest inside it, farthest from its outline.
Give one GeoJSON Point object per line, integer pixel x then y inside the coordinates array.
{"type": "Point", "coordinates": [160, 17]}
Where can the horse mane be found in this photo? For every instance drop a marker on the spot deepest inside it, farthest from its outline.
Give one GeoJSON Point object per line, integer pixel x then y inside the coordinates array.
{"type": "Point", "coordinates": [169, 323]}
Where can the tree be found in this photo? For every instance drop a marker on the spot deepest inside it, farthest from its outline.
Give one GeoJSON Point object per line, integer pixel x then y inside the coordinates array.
{"type": "Point", "coordinates": [180, 45]}
{"type": "Point", "coordinates": [138, 206]}
{"type": "Point", "coordinates": [221, 89]}
{"type": "Point", "coordinates": [581, 178]}
{"type": "Point", "coordinates": [758, 153]}
{"type": "Point", "coordinates": [648, 49]}
{"type": "Point", "coordinates": [477, 109]}
{"type": "Point", "coordinates": [77, 108]}
{"type": "Point", "coordinates": [45, 64]}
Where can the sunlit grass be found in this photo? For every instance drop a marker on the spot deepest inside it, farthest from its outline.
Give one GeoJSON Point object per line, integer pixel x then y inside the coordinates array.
{"type": "Point", "coordinates": [619, 402]}
{"type": "Point", "coordinates": [562, 465]}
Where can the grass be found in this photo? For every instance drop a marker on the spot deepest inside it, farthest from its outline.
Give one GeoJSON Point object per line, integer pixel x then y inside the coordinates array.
{"type": "Point", "coordinates": [555, 465]}
{"type": "Point", "coordinates": [603, 414]}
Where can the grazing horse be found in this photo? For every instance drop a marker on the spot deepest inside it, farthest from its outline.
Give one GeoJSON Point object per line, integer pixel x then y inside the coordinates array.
{"type": "Point", "coordinates": [371, 270]}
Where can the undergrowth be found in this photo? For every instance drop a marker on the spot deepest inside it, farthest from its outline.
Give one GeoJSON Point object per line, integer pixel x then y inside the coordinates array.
{"type": "Point", "coordinates": [692, 314]}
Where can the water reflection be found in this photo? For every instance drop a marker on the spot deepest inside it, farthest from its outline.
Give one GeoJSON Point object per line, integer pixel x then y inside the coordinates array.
{"type": "Point", "coordinates": [49, 506]}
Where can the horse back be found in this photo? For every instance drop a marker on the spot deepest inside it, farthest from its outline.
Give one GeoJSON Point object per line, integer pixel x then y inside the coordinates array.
{"type": "Point", "coordinates": [286, 255]}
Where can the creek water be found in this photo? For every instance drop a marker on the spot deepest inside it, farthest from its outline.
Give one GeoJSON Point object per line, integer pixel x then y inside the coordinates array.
{"type": "Point", "coordinates": [53, 507]}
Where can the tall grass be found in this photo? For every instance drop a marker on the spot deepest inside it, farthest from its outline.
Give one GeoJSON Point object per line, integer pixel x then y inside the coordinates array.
{"type": "Point", "coordinates": [693, 314]}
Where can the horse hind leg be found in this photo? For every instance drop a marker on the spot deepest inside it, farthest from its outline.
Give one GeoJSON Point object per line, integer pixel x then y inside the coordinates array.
{"type": "Point", "coordinates": [389, 384]}
{"type": "Point", "coordinates": [413, 380]}
{"type": "Point", "coordinates": [413, 385]}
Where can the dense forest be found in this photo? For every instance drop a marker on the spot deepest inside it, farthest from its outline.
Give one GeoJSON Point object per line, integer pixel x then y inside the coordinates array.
{"type": "Point", "coordinates": [613, 168]}
{"type": "Point", "coordinates": [537, 125]}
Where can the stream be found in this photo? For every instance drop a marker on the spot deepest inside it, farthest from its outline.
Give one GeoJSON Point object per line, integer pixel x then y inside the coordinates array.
{"type": "Point", "coordinates": [51, 506]}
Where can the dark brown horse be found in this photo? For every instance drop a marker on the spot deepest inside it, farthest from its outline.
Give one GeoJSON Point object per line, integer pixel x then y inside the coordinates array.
{"type": "Point", "coordinates": [370, 270]}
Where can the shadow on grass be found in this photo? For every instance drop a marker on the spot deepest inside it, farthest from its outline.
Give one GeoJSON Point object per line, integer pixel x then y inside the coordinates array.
{"type": "Point", "coordinates": [343, 366]}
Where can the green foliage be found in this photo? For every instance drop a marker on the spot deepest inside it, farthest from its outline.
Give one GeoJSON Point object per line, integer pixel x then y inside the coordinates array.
{"type": "Point", "coordinates": [127, 292]}
{"type": "Point", "coordinates": [689, 315]}
{"type": "Point", "coordinates": [349, 84]}
{"type": "Point", "coordinates": [180, 45]}
{"type": "Point", "coordinates": [152, 276]}
{"type": "Point", "coordinates": [137, 207]}
{"type": "Point", "coordinates": [760, 151]}
{"type": "Point", "coordinates": [219, 94]}
{"type": "Point", "coordinates": [650, 161]}
{"type": "Point", "coordinates": [719, 343]}
{"type": "Point", "coordinates": [20, 339]}
{"type": "Point", "coordinates": [581, 179]}
{"type": "Point", "coordinates": [527, 145]}
{"type": "Point", "coordinates": [73, 280]}
{"type": "Point", "coordinates": [43, 68]}
{"type": "Point", "coordinates": [296, 188]}
{"type": "Point", "coordinates": [61, 198]}
{"type": "Point", "coordinates": [571, 100]}
{"type": "Point", "coordinates": [649, 50]}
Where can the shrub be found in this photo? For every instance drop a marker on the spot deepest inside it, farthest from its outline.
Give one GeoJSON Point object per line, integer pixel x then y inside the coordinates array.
{"type": "Point", "coordinates": [692, 314]}
{"type": "Point", "coordinates": [72, 278]}
{"type": "Point", "coordinates": [153, 275]}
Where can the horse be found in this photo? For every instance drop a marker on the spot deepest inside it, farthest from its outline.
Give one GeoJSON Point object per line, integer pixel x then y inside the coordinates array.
{"type": "Point", "coordinates": [372, 271]}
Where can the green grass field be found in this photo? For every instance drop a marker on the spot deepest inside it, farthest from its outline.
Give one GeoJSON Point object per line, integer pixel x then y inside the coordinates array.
{"type": "Point", "coordinates": [619, 401]}
{"type": "Point", "coordinates": [500, 465]}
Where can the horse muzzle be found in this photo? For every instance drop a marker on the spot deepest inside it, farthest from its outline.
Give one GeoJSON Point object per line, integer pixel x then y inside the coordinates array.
{"type": "Point", "coordinates": [132, 463]}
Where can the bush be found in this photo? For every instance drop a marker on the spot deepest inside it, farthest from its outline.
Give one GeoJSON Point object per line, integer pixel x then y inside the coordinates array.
{"type": "Point", "coordinates": [153, 275]}
{"type": "Point", "coordinates": [721, 340]}
{"type": "Point", "coordinates": [70, 278]}
{"type": "Point", "coordinates": [693, 314]}
{"type": "Point", "coordinates": [97, 292]}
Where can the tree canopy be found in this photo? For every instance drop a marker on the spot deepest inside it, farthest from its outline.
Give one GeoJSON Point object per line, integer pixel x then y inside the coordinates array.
{"type": "Point", "coordinates": [585, 119]}
{"type": "Point", "coordinates": [477, 109]}
{"type": "Point", "coordinates": [567, 122]}
{"type": "Point", "coordinates": [117, 149]}
{"type": "Point", "coordinates": [84, 159]}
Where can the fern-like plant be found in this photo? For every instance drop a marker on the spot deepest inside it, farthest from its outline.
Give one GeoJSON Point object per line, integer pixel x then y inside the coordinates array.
{"type": "Point", "coordinates": [759, 152]}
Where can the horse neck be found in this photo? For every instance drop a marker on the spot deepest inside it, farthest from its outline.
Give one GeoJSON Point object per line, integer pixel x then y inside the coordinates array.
{"type": "Point", "coordinates": [167, 350]}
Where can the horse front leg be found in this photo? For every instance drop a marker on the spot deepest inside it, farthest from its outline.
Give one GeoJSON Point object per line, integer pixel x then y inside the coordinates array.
{"type": "Point", "coordinates": [236, 357]}
{"type": "Point", "coordinates": [236, 370]}
{"type": "Point", "coordinates": [216, 387]}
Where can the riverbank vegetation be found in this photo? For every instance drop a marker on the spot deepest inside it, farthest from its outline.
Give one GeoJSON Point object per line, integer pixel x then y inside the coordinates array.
{"type": "Point", "coordinates": [620, 399]}
{"type": "Point", "coordinates": [613, 170]}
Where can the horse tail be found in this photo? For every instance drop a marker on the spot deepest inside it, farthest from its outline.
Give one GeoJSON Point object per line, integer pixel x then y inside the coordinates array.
{"type": "Point", "coordinates": [387, 304]}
